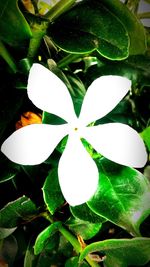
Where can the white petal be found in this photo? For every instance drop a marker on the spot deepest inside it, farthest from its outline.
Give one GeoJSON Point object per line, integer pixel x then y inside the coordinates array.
{"type": "Point", "coordinates": [78, 173]}
{"type": "Point", "coordinates": [102, 96]}
{"type": "Point", "coordinates": [117, 142]}
{"type": "Point", "coordinates": [34, 143]}
{"type": "Point", "coordinates": [49, 93]}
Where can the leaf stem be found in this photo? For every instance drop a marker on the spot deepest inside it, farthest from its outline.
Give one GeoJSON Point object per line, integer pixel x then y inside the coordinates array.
{"type": "Point", "coordinates": [74, 242]}
{"type": "Point", "coordinates": [7, 57]}
{"type": "Point", "coordinates": [38, 32]}
{"type": "Point", "coordinates": [61, 7]}
{"type": "Point", "coordinates": [68, 59]}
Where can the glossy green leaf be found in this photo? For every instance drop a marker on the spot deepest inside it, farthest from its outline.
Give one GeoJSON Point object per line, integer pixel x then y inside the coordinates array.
{"type": "Point", "coordinates": [85, 229]}
{"type": "Point", "coordinates": [83, 33]}
{"type": "Point", "coordinates": [121, 252]}
{"type": "Point", "coordinates": [74, 262]}
{"type": "Point", "coordinates": [16, 211]}
{"type": "Point", "coordinates": [46, 237]}
{"type": "Point", "coordinates": [52, 193]}
{"type": "Point", "coordinates": [83, 212]}
{"type": "Point", "coordinates": [123, 196]}
{"type": "Point", "coordinates": [146, 137]}
{"type": "Point", "coordinates": [133, 26]}
{"type": "Point", "coordinates": [14, 28]}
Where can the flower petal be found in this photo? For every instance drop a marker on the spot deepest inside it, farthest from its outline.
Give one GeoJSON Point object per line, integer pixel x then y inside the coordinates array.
{"type": "Point", "coordinates": [102, 96]}
{"type": "Point", "coordinates": [49, 93]}
{"type": "Point", "coordinates": [34, 143]}
{"type": "Point", "coordinates": [117, 142]}
{"type": "Point", "coordinates": [78, 173]}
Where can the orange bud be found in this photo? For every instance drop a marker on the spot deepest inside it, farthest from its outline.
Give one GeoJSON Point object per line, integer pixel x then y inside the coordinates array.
{"type": "Point", "coordinates": [28, 6]}
{"type": "Point", "coordinates": [29, 118]}
{"type": "Point", "coordinates": [3, 263]}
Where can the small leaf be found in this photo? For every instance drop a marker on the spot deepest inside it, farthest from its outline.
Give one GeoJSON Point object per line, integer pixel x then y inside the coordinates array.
{"type": "Point", "coordinates": [46, 237]}
{"type": "Point", "coordinates": [123, 196]}
{"type": "Point", "coordinates": [52, 193]}
{"type": "Point", "coordinates": [83, 212]}
{"type": "Point", "coordinates": [83, 34]}
{"type": "Point", "coordinates": [14, 212]}
{"type": "Point", "coordinates": [121, 252]}
{"type": "Point", "coordinates": [14, 28]}
{"type": "Point", "coordinates": [85, 229]}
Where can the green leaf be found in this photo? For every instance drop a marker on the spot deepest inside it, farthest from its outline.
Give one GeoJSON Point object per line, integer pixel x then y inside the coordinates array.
{"type": "Point", "coordinates": [146, 137]}
{"type": "Point", "coordinates": [91, 31]}
{"type": "Point", "coordinates": [74, 262]}
{"type": "Point", "coordinates": [49, 118]}
{"type": "Point", "coordinates": [133, 26]}
{"type": "Point", "coordinates": [85, 229]}
{"type": "Point", "coordinates": [14, 28]}
{"type": "Point", "coordinates": [52, 193]}
{"type": "Point", "coordinates": [122, 197]}
{"type": "Point", "coordinates": [83, 212]}
{"type": "Point", "coordinates": [4, 232]}
{"type": "Point", "coordinates": [16, 211]}
{"type": "Point", "coordinates": [47, 237]}
{"type": "Point", "coordinates": [121, 252]}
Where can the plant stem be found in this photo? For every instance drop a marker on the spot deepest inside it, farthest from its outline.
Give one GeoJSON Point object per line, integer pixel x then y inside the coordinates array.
{"type": "Point", "coordinates": [74, 242]}
{"type": "Point", "coordinates": [133, 5]}
{"type": "Point", "coordinates": [71, 238]}
{"type": "Point", "coordinates": [68, 59]}
{"type": "Point", "coordinates": [7, 57]}
{"type": "Point", "coordinates": [144, 15]}
{"type": "Point", "coordinates": [58, 9]}
{"type": "Point", "coordinates": [38, 32]}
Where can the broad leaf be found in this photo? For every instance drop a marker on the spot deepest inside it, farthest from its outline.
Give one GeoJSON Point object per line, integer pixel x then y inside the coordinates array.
{"type": "Point", "coordinates": [83, 212]}
{"type": "Point", "coordinates": [47, 237]}
{"type": "Point", "coordinates": [16, 211]}
{"type": "Point", "coordinates": [14, 28]}
{"type": "Point", "coordinates": [89, 31]}
{"type": "Point", "coordinates": [123, 196]}
{"type": "Point", "coordinates": [52, 193]}
{"type": "Point", "coordinates": [121, 252]}
{"type": "Point", "coordinates": [85, 229]}
{"type": "Point", "coordinates": [133, 26]}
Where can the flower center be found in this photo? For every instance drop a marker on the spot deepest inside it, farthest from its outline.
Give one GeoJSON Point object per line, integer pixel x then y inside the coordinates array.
{"type": "Point", "coordinates": [76, 129]}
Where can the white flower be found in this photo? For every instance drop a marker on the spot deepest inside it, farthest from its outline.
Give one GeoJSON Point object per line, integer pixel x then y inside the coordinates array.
{"type": "Point", "coordinates": [77, 171]}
